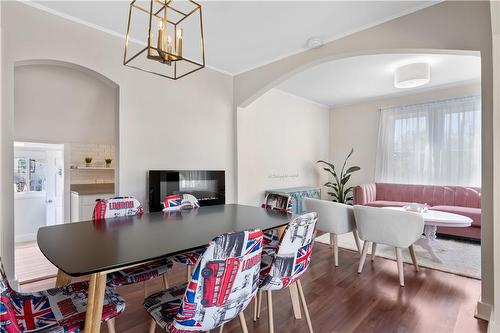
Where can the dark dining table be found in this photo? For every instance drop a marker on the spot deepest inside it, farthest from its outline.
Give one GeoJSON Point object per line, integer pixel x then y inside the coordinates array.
{"type": "Point", "coordinates": [97, 248]}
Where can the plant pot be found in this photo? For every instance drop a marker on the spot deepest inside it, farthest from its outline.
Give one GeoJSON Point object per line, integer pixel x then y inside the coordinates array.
{"type": "Point", "coordinates": [108, 165]}
{"type": "Point", "coordinates": [87, 165]}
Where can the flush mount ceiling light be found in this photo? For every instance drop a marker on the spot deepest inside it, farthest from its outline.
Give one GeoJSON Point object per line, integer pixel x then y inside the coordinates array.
{"type": "Point", "coordinates": [412, 75]}
{"type": "Point", "coordinates": [314, 43]}
{"type": "Point", "coordinates": [165, 37]}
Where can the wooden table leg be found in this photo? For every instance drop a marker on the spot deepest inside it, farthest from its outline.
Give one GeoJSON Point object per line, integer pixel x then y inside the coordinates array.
{"type": "Point", "coordinates": [294, 294]}
{"type": "Point", "coordinates": [93, 316]}
{"type": "Point", "coordinates": [62, 279]}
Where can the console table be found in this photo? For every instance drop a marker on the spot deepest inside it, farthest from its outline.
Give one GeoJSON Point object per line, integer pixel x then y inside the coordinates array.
{"type": "Point", "coordinates": [297, 193]}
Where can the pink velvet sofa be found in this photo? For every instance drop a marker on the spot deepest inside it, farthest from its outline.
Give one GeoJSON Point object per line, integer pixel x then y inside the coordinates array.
{"type": "Point", "coordinates": [453, 199]}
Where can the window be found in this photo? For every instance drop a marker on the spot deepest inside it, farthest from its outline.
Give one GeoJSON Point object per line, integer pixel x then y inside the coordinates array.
{"type": "Point", "coordinates": [432, 143]}
{"type": "Point", "coordinates": [29, 175]}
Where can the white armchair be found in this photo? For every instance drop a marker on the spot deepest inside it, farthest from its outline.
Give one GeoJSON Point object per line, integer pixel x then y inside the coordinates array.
{"type": "Point", "coordinates": [391, 227]}
{"type": "Point", "coordinates": [335, 219]}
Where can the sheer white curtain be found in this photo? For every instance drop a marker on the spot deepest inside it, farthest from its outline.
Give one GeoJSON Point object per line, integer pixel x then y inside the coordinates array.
{"type": "Point", "coordinates": [435, 143]}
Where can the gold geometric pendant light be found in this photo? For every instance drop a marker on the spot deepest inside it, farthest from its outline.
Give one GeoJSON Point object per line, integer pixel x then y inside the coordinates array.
{"type": "Point", "coordinates": [165, 37]}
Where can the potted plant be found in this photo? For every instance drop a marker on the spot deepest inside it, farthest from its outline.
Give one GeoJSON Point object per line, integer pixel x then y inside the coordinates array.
{"type": "Point", "coordinates": [88, 160]}
{"type": "Point", "coordinates": [108, 162]}
{"type": "Point", "coordinates": [339, 189]}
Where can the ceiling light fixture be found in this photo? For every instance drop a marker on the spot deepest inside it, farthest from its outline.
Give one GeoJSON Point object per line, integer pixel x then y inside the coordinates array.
{"type": "Point", "coordinates": [172, 44]}
{"type": "Point", "coordinates": [314, 43]}
{"type": "Point", "coordinates": [412, 75]}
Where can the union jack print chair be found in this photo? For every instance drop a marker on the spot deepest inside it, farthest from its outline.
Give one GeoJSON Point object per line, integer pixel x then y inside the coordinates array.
{"type": "Point", "coordinates": [223, 283]}
{"type": "Point", "coordinates": [129, 206]}
{"type": "Point", "coordinates": [284, 266]}
{"type": "Point", "coordinates": [180, 201]}
{"type": "Point", "coordinates": [279, 202]}
{"type": "Point", "coordinates": [54, 310]}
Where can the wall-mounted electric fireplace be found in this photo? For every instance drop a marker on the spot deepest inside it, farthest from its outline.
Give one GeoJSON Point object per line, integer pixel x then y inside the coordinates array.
{"type": "Point", "coordinates": [208, 186]}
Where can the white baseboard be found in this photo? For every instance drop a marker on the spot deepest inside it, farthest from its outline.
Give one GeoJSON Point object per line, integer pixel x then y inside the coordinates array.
{"type": "Point", "coordinates": [483, 311]}
{"type": "Point", "coordinates": [25, 238]}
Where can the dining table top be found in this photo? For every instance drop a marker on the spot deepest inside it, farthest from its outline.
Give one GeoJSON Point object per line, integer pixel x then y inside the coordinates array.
{"type": "Point", "coordinates": [88, 247]}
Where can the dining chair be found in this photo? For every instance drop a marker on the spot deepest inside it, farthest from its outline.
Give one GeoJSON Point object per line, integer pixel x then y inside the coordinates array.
{"type": "Point", "coordinates": [334, 218]}
{"type": "Point", "coordinates": [283, 267]}
{"type": "Point", "coordinates": [399, 229]}
{"type": "Point", "coordinates": [182, 202]}
{"type": "Point", "coordinates": [280, 202]}
{"type": "Point", "coordinates": [53, 310]}
{"type": "Point", "coordinates": [223, 283]}
{"type": "Point", "coordinates": [121, 207]}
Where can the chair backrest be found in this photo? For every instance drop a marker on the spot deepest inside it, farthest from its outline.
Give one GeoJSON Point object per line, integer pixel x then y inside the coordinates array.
{"type": "Point", "coordinates": [388, 226]}
{"type": "Point", "coordinates": [277, 201]}
{"type": "Point", "coordinates": [116, 207]}
{"type": "Point", "coordinates": [294, 253]}
{"type": "Point", "coordinates": [333, 217]}
{"type": "Point", "coordinates": [180, 201]}
{"type": "Point", "coordinates": [8, 321]}
{"type": "Point", "coordinates": [224, 282]}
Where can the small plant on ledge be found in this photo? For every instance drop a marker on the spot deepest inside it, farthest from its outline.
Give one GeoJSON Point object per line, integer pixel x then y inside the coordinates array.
{"type": "Point", "coordinates": [108, 162]}
{"type": "Point", "coordinates": [339, 190]}
{"type": "Point", "coordinates": [88, 160]}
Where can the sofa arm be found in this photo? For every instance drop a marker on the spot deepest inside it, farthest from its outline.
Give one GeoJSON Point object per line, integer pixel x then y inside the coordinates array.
{"type": "Point", "coordinates": [364, 194]}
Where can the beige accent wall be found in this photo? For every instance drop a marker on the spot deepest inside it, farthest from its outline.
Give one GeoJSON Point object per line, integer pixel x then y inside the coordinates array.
{"type": "Point", "coordinates": [356, 126]}
{"type": "Point", "coordinates": [163, 124]}
{"type": "Point", "coordinates": [280, 137]}
{"type": "Point", "coordinates": [457, 27]}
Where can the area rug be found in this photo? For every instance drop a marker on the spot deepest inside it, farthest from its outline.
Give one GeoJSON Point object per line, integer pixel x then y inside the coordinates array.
{"type": "Point", "coordinates": [458, 257]}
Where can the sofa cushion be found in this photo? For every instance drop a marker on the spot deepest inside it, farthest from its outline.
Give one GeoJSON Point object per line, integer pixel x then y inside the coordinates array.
{"type": "Point", "coordinates": [386, 203]}
{"type": "Point", "coordinates": [473, 213]}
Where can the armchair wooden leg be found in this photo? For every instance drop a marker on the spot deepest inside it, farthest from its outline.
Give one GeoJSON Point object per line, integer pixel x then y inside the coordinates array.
{"type": "Point", "coordinates": [188, 273]}
{"type": "Point", "coordinates": [356, 239]}
{"type": "Point", "coordinates": [413, 257]}
{"type": "Point", "coordinates": [399, 258]}
{"type": "Point", "coordinates": [304, 306]}
{"type": "Point", "coordinates": [374, 251]}
{"type": "Point", "coordinates": [270, 311]}
{"type": "Point", "coordinates": [294, 295]}
{"type": "Point", "coordinates": [363, 256]}
{"type": "Point", "coordinates": [243, 322]}
{"type": "Point", "coordinates": [152, 326]}
{"type": "Point", "coordinates": [221, 328]}
{"type": "Point", "coordinates": [335, 245]}
{"type": "Point", "coordinates": [259, 304]}
{"type": "Point", "coordinates": [111, 325]}
{"type": "Point", "coordinates": [165, 281]}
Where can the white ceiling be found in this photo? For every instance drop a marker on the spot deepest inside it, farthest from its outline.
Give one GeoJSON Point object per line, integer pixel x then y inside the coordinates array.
{"type": "Point", "coordinates": [364, 78]}
{"type": "Point", "coordinates": [241, 35]}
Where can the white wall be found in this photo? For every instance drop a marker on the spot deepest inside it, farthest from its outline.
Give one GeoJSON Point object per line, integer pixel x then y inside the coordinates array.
{"type": "Point", "coordinates": [280, 137]}
{"type": "Point", "coordinates": [356, 126]}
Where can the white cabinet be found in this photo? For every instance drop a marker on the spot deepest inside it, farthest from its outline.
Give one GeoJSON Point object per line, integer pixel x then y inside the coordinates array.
{"type": "Point", "coordinates": [82, 206]}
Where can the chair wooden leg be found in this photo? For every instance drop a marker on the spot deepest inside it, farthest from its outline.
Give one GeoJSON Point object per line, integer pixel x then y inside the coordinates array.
{"type": "Point", "coordinates": [259, 304]}
{"type": "Point", "coordinates": [413, 257]}
{"type": "Point", "coordinates": [304, 306]}
{"type": "Point", "coordinates": [374, 251]}
{"type": "Point", "coordinates": [221, 328]}
{"type": "Point", "coordinates": [363, 256]}
{"type": "Point", "coordinates": [188, 273]}
{"type": "Point", "coordinates": [356, 239]}
{"type": "Point", "coordinates": [335, 244]}
{"type": "Point", "coordinates": [255, 306]}
{"type": "Point", "coordinates": [111, 325]}
{"type": "Point", "coordinates": [243, 322]}
{"type": "Point", "coordinates": [294, 295]}
{"type": "Point", "coordinates": [152, 326]}
{"type": "Point", "coordinates": [165, 281]}
{"type": "Point", "coordinates": [270, 311]}
{"type": "Point", "coordinates": [399, 258]}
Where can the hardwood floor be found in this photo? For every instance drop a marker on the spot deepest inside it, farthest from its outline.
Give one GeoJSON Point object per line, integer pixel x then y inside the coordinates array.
{"type": "Point", "coordinates": [31, 264]}
{"type": "Point", "coordinates": [341, 300]}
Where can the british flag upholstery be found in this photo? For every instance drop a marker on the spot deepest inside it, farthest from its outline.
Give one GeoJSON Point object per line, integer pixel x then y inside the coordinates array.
{"type": "Point", "coordinates": [180, 201]}
{"type": "Point", "coordinates": [117, 207]}
{"type": "Point", "coordinates": [280, 202]}
{"type": "Point", "coordinates": [286, 264]}
{"type": "Point", "coordinates": [189, 258]}
{"type": "Point", "coordinates": [54, 310]}
{"type": "Point", "coordinates": [141, 273]}
{"type": "Point", "coordinates": [223, 283]}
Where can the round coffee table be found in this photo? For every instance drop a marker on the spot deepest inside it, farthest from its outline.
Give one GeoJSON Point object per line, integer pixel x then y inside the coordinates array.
{"type": "Point", "coordinates": [434, 219]}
